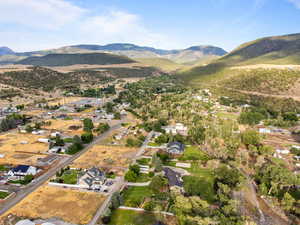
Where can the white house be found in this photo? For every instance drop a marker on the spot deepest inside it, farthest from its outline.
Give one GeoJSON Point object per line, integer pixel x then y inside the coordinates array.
{"type": "Point", "coordinates": [283, 151]}
{"type": "Point", "coordinates": [92, 179]}
{"type": "Point", "coordinates": [55, 134]}
{"type": "Point", "coordinates": [57, 149]}
{"type": "Point", "coordinates": [178, 128]}
{"type": "Point", "coordinates": [44, 140]}
{"type": "Point", "coordinates": [22, 170]}
{"type": "Point", "coordinates": [264, 131]}
{"type": "Point", "coordinates": [38, 132]}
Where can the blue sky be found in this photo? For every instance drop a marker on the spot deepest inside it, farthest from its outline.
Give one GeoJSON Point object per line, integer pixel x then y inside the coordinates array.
{"type": "Point", "coordinates": [170, 24]}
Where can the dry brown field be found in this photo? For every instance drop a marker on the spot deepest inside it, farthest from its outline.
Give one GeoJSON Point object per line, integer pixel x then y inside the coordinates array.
{"type": "Point", "coordinates": [11, 148]}
{"type": "Point", "coordinates": [69, 205]}
{"type": "Point", "coordinates": [113, 157]}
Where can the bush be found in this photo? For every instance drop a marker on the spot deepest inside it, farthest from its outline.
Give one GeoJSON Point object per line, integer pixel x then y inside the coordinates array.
{"type": "Point", "coordinates": [102, 127]}
{"type": "Point", "coordinates": [88, 125]}
{"type": "Point", "coordinates": [251, 118]}
{"type": "Point", "coordinates": [74, 148]}
{"type": "Point", "coordinates": [87, 137]}
{"type": "Point", "coordinates": [290, 116]}
{"type": "Point", "coordinates": [130, 176]}
{"type": "Point", "coordinates": [251, 137]}
{"type": "Point", "coordinates": [130, 142]}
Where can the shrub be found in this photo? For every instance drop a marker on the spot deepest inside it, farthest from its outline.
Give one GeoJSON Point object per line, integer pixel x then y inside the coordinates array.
{"type": "Point", "coordinates": [87, 137]}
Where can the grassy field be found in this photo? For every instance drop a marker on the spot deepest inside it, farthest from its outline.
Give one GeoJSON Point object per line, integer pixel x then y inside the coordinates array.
{"type": "Point", "coordinates": [69, 205]}
{"type": "Point", "coordinates": [193, 153]}
{"type": "Point", "coordinates": [69, 177]}
{"type": "Point", "coordinates": [134, 196]}
{"type": "Point", "coordinates": [207, 186]}
{"type": "Point", "coordinates": [114, 157]}
{"type": "Point", "coordinates": [128, 217]}
{"type": "Point", "coordinates": [4, 194]}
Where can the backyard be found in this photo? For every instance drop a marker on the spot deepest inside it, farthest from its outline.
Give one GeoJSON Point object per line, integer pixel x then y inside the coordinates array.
{"type": "Point", "coordinates": [129, 217]}
{"type": "Point", "coordinates": [135, 196]}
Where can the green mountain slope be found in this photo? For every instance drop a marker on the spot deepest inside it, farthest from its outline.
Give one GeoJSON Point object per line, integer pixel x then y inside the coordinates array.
{"type": "Point", "coordinates": [162, 63]}
{"type": "Point", "coordinates": [72, 59]}
{"type": "Point", "coordinates": [274, 50]}
{"type": "Point", "coordinates": [277, 50]}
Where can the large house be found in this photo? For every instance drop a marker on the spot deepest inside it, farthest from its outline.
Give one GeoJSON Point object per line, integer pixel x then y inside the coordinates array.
{"type": "Point", "coordinates": [175, 148]}
{"type": "Point", "coordinates": [178, 128]}
{"type": "Point", "coordinates": [92, 179]}
{"type": "Point", "coordinates": [173, 177]}
{"type": "Point", "coordinates": [22, 170]}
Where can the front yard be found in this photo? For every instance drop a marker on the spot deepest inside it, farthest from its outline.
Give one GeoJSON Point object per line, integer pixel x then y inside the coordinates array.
{"type": "Point", "coordinates": [4, 194]}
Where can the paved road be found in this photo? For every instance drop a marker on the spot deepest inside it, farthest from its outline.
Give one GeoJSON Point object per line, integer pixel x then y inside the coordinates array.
{"type": "Point", "coordinates": [42, 179]}
{"type": "Point", "coordinates": [119, 184]}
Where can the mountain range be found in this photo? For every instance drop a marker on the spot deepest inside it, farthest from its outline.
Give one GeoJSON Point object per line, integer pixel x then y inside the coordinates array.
{"type": "Point", "coordinates": [130, 50]}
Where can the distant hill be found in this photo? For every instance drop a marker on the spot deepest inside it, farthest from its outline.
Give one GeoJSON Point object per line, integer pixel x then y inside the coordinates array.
{"type": "Point", "coordinates": [162, 63]}
{"type": "Point", "coordinates": [73, 59]}
{"type": "Point", "coordinates": [179, 56]}
{"type": "Point", "coordinates": [274, 50]}
{"type": "Point", "coordinates": [6, 51]}
{"type": "Point", "coordinates": [188, 55]}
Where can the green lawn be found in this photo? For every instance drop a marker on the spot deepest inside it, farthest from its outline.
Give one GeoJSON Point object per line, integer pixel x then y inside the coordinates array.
{"type": "Point", "coordinates": [129, 217]}
{"type": "Point", "coordinates": [134, 196]}
{"type": "Point", "coordinates": [193, 153]}
{"type": "Point", "coordinates": [3, 168]}
{"type": "Point", "coordinates": [207, 186]}
{"type": "Point", "coordinates": [4, 194]}
{"type": "Point", "coordinates": [226, 115]}
{"type": "Point", "coordinates": [143, 161]}
{"type": "Point", "coordinates": [68, 140]}
{"type": "Point", "coordinates": [143, 178]}
{"type": "Point", "coordinates": [69, 177]}
{"type": "Point", "coordinates": [153, 144]}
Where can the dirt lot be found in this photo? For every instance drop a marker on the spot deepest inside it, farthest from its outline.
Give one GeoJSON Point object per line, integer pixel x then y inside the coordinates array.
{"type": "Point", "coordinates": [10, 145]}
{"type": "Point", "coordinates": [69, 205]}
{"type": "Point", "coordinates": [112, 157]}
{"type": "Point", "coordinates": [63, 126]}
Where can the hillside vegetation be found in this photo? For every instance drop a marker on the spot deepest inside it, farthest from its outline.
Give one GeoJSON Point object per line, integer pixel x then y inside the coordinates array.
{"type": "Point", "coordinates": [47, 79]}
{"type": "Point", "coordinates": [274, 50]}
{"type": "Point", "coordinates": [162, 63]}
{"type": "Point", "coordinates": [73, 59]}
{"type": "Point", "coordinates": [278, 50]}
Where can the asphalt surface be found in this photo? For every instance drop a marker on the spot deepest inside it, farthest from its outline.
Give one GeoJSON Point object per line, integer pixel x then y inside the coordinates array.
{"type": "Point", "coordinates": [23, 192]}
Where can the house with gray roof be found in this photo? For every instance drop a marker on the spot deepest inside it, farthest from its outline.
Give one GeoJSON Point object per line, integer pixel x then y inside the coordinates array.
{"type": "Point", "coordinates": [92, 179]}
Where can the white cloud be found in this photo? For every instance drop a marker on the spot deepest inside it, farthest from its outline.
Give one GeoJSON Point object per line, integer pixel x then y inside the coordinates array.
{"type": "Point", "coordinates": [33, 24]}
{"type": "Point", "coordinates": [296, 3]}
{"type": "Point", "coordinates": [49, 14]}
{"type": "Point", "coordinates": [119, 26]}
